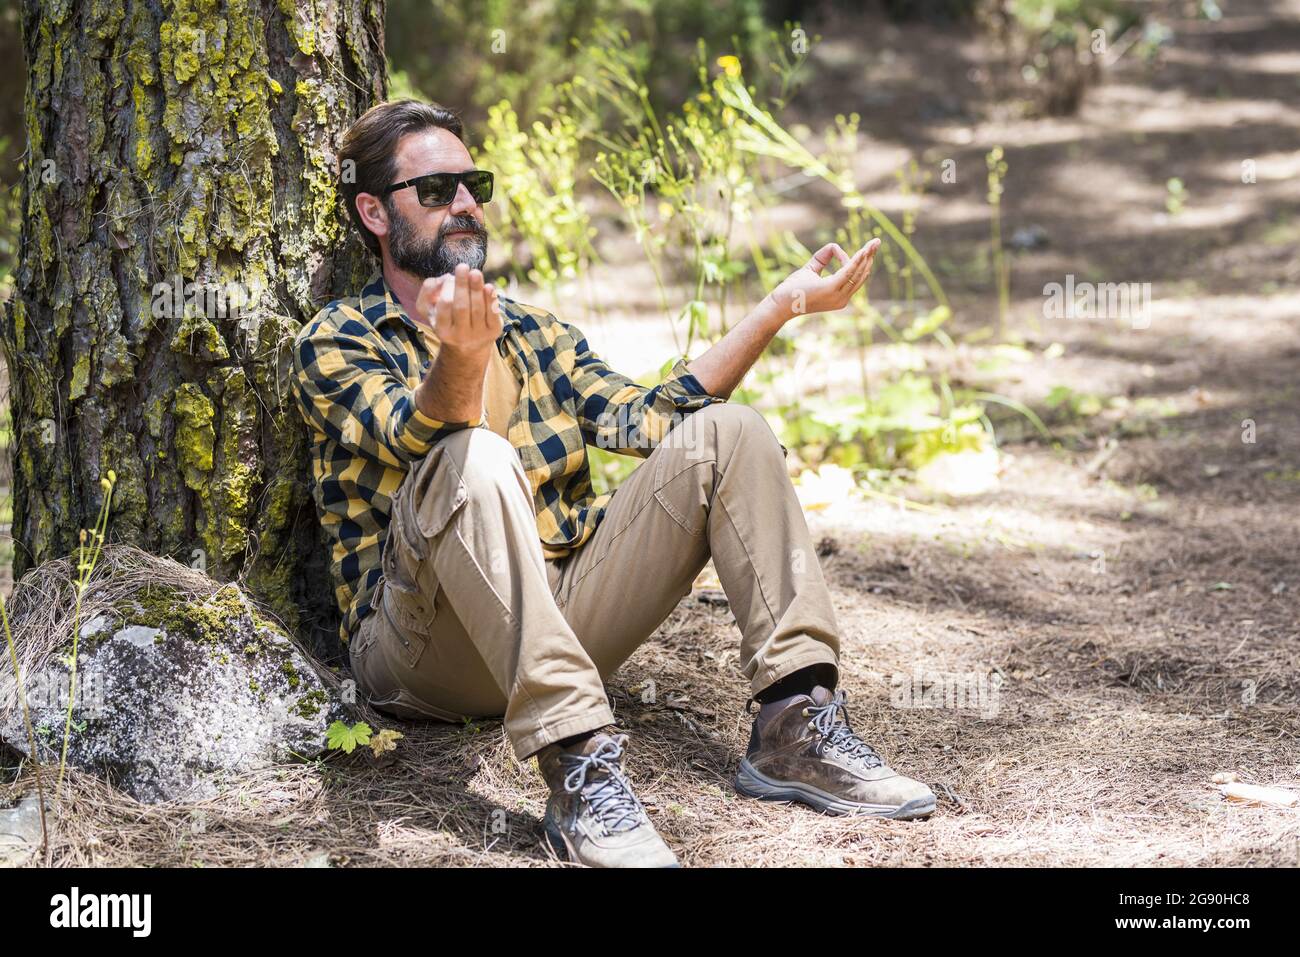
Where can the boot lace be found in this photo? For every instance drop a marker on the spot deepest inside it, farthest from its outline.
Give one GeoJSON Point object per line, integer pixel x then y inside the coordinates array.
{"type": "Point", "coordinates": [836, 733]}
{"type": "Point", "coordinates": [600, 781]}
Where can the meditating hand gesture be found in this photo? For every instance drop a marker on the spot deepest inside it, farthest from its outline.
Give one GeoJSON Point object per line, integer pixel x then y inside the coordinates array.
{"type": "Point", "coordinates": [806, 290]}
{"type": "Point", "coordinates": [461, 310]}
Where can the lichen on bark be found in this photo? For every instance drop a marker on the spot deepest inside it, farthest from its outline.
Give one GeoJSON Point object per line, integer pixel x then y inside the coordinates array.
{"type": "Point", "coordinates": [185, 143]}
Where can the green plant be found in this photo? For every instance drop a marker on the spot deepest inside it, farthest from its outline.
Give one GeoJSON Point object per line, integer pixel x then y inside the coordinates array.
{"type": "Point", "coordinates": [1175, 196]}
{"type": "Point", "coordinates": [6, 456]}
{"type": "Point", "coordinates": [760, 133]}
{"type": "Point", "coordinates": [687, 182]}
{"type": "Point", "coordinates": [912, 182]}
{"type": "Point", "coordinates": [345, 738]}
{"type": "Point", "coordinates": [11, 219]}
{"type": "Point", "coordinates": [681, 181]}
{"type": "Point", "coordinates": [1057, 47]}
{"type": "Point", "coordinates": [694, 186]}
{"type": "Point", "coordinates": [997, 167]}
{"type": "Point", "coordinates": [537, 203]}
{"type": "Point", "coordinates": [90, 545]}
{"type": "Point", "coordinates": [525, 52]}
{"type": "Point", "coordinates": [1073, 405]}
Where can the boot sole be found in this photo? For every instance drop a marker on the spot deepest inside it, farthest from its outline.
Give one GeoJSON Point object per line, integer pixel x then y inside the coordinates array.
{"type": "Point", "coordinates": [753, 783]}
{"type": "Point", "coordinates": [560, 844]}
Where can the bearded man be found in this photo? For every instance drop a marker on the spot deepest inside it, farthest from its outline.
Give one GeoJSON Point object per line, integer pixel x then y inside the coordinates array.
{"type": "Point", "coordinates": [477, 573]}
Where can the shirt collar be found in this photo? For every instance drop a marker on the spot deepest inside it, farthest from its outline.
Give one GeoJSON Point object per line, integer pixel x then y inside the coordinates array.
{"type": "Point", "coordinates": [378, 304]}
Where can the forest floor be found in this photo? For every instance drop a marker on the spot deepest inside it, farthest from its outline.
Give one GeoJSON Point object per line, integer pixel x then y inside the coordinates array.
{"type": "Point", "coordinates": [1125, 602]}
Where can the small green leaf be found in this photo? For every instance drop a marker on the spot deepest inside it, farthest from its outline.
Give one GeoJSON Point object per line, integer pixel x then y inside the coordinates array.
{"type": "Point", "coordinates": [345, 739]}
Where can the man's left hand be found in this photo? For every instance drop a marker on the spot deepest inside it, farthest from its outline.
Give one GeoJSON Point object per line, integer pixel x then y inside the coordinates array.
{"type": "Point", "coordinates": [806, 290]}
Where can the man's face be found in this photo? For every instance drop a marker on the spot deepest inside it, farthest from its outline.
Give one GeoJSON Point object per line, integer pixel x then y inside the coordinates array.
{"type": "Point", "coordinates": [428, 241]}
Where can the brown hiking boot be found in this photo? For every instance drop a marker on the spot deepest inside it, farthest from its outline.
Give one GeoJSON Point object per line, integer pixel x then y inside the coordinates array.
{"type": "Point", "coordinates": [807, 752]}
{"type": "Point", "coordinates": [593, 817]}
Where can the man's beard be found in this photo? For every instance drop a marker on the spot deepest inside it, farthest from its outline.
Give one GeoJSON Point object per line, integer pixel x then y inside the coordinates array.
{"type": "Point", "coordinates": [427, 258]}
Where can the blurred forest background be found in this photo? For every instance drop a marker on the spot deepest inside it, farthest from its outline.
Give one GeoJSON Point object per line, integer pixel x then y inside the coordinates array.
{"type": "Point", "coordinates": [690, 155]}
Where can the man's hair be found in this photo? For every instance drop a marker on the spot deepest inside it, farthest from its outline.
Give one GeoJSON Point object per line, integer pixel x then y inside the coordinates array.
{"type": "Point", "coordinates": [368, 153]}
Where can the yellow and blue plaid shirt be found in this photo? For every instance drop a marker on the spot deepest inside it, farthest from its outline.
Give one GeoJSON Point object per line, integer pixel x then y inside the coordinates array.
{"type": "Point", "coordinates": [356, 365]}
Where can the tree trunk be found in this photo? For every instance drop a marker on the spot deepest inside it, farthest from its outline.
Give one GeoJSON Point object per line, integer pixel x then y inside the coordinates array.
{"type": "Point", "coordinates": [180, 223]}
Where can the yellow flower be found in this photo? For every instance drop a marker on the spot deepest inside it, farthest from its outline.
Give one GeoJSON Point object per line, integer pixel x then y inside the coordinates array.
{"type": "Point", "coordinates": [730, 65]}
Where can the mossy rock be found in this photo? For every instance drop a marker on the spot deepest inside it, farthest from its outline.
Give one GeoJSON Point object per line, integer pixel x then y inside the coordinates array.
{"type": "Point", "coordinates": [177, 691]}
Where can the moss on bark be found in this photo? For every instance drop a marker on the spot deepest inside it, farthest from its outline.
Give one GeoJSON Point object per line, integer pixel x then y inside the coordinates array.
{"type": "Point", "coordinates": [173, 147]}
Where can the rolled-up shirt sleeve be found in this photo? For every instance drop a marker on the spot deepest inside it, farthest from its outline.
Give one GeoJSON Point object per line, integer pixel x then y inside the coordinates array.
{"type": "Point", "coordinates": [617, 413]}
{"type": "Point", "coordinates": [349, 393]}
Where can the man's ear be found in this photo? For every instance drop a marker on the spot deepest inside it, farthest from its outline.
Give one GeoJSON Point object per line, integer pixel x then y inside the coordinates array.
{"type": "Point", "coordinates": [373, 213]}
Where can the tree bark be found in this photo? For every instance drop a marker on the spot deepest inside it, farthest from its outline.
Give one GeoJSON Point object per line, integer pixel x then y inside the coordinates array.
{"type": "Point", "coordinates": [180, 223]}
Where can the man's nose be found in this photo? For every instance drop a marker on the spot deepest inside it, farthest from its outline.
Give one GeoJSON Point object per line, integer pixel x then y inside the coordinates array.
{"type": "Point", "coordinates": [463, 204]}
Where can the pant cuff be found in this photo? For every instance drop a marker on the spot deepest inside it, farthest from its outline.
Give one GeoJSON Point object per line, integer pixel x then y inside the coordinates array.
{"type": "Point", "coordinates": [553, 731]}
{"type": "Point", "coordinates": [770, 676]}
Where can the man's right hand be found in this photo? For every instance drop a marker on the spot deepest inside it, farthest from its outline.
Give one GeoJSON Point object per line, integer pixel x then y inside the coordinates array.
{"type": "Point", "coordinates": [461, 310]}
{"type": "Point", "coordinates": [463, 313]}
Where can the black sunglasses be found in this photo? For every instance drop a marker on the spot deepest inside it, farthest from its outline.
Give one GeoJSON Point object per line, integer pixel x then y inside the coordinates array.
{"type": "Point", "coordinates": [439, 189]}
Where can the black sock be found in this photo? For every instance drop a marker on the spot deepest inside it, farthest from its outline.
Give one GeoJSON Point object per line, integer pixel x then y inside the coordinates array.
{"type": "Point", "coordinates": [571, 741]}
{"type": "Point", "coordinates": [799, 682]}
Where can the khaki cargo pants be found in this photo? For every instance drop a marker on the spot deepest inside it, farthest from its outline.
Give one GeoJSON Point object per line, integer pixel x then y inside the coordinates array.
{"type": "Point", "coordinates": [470, 620]}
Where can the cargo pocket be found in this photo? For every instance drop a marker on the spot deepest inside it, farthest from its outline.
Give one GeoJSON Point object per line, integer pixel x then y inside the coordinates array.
{"type": "Point", "coordinates": [410, 613]}
{"type": "Point", "coordinates": [436, 491]}
{"type": "Point", "coordinates": [364, 637]}
{"type": "Point", "coordinates": [422, 508]}
{"type": "Point", "coordinates": [403, 600]}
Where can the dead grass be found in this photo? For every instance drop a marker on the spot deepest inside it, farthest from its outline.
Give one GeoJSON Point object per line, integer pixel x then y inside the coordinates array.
{"type": "Point", "coordinates": [1100, 749]}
